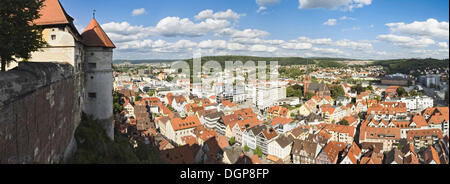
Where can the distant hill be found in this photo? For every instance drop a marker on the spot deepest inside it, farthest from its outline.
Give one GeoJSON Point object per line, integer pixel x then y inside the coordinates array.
{"type": "Point", "coordinates": [391, 66]}
{"type": "Point", "coordinates": [406, 65]}
{"type": "Point", "coordinates": [324, 62]}
{"type": "Point", "coordinates": [119, 61]}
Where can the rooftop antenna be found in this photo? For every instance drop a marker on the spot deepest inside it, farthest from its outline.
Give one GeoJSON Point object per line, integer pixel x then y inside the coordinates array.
{"type": "Point", "coordinates": [93, 13]}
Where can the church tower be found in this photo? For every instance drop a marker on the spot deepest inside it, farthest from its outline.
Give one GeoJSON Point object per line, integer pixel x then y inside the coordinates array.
{"type": "Point", "coordinates": [98, 98]}
{"type": "Point", "coordinates": [307, 80]}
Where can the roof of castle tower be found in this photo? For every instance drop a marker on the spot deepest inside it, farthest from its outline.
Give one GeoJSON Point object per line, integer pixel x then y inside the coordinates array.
{"type": "Point", "coordinates": [53, 13]}
{"type": "Point", "coordinates": [95, 36]}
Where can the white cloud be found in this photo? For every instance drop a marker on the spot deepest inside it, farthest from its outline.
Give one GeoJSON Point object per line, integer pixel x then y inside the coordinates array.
{"type": "Point", "coordinates": [175, 26]}
{"type": "Point", "coordinates": [247, 33]}
{"type": "Point", "coordinates": [330, 22]}
{"type": "Point", "coordinates": [226, 15]}
{"type": "Point", "coordinates": [333, 4]}
{"type": "Point", "coordinates": [261, 8]}
{"type": "Point", "coordinates": [297, 46]}
{"type": "Point", "coordinates": [257, 41]}
{"type": "Point", "coordinates": [354, 45]}
{"type": "Point", "coordinates": [320, 41]}
{"type": "Point", "coordinates": [430, 28]}
{"type": "Point", "coordinates": [139, 11]}
{"type": "Point", "coordinates": [264, 3]}
{"type": "Point", "coordinates": [345, 43]}
{"type": "Point", "coordinates": [443, 45]}
{"type": "Point", "coordinates": [327, 50]}
{"type": "Point", "coordinates": [405, 41]}
{"type": "Point", "coordinates": [209, 44]}
{"type": "Point", "coordinates": [262, 48]}
{"type": "Point", "coordinates": [347, 18]}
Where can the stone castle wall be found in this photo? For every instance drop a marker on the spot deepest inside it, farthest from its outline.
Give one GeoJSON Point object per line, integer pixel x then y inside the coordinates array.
{"type": "Point", "coordinates": [37, 113]}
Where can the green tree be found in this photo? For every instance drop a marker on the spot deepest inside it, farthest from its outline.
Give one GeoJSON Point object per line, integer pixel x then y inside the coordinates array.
{"type": "Point", "coordinates": [246, 148]}
{"type": "Point", "coordinates": [358, 88]}
{"type": "Point", "coordinates": [19, 36]}
{"type": "Point", "coordinates": [344, 122]}
{"type": "Point", "coordinates": [232, 141]}
{"type": "Point", "coordinates": [258, 151]}
{"type": "Point", "coordinates": [401, 92]}
{"type": "Point", "coordinates": [337, 91]}
{"type": "Point", "coordinates": [151, 93]}
{"type": "Point", "coordinates": [169, 79]}
{"type": "Point", "coordinates": [294, 91]}
{"type": "Point", "coordinates": [117, 102]}
{"type": "Point", "coordinates": [309, 95]}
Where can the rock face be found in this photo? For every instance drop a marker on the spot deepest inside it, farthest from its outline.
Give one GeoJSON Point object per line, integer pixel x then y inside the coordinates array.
{"type": "Point", "coordinates": [37, 121]}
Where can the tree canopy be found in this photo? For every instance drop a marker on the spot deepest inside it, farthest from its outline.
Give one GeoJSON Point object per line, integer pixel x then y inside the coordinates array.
{"type": "Point", "coordinates": [337, 91]}
{"type": "Point", "coordinates": [19, 36]}
{"type": "Point", "coordinates": [401, 92]}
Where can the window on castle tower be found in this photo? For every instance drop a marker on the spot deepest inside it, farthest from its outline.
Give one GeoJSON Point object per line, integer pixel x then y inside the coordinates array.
{"type": "Point", "coordinates": [92, 95]}
{"type": "Point", "coordinates": [92, 65]}
{"type": "Point", "coordinates": [53, 37]}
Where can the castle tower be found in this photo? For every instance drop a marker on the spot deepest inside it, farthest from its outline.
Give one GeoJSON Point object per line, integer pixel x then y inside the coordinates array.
{"type": "Point", "coordinates": [98, 99]}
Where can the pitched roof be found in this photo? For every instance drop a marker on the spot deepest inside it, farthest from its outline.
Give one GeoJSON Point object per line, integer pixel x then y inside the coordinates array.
{"type": "Point", "coordinates": [180, 155]}
{"type": "Point", "coordinates": [95, 36]}
{"type": "Point", "coordinates": [424, 134]}
{"type": "Point", "coordinates": [350, 130]}
{"type": "Point", "coordinates": [189, 122]}
{"type": "Point", "coordinates": [223, 142]}
{"type": "Point", "coordinates": [409, 148]}
{"type": "Point", "coordinates": [269, 133]}
{"type": "Point", "coordinates": [53, 13]}
{"type": "Point", "coordinates": [309, 147]}
{"type": "Point", "coordinates": [233, 154]}
{"type": "Point", "coordinates": [353, 153]}
{"type": "Point", "coordinates": [419, 120]}
{"type": "Point", "coordinates": [411, 159]}
{"type": "Point", "coordinates": [394, 155]}
{"type": "Point", "coordinates": [332, 149]}
{"type": "Point", "coordinates": [284, 141]}
{"type": "Point", "coordinates": [379, 133]}
{"type": "Point", "coordinates": [372, 157]}
{"type": "Point", "coordinates": [431, 155]}
{"type": "Point", "coordinates": [230, 119]}
{"type": "Point", "coordinates": [281, 120]}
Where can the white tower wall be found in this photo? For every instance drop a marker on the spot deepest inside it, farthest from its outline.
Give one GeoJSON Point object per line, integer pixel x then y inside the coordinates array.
{"type": "Point", "coordinates": [99, 86]}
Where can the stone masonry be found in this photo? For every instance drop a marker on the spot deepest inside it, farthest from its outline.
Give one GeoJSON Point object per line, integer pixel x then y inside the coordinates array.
{"type": "Point", "coordinates": [37, 113]}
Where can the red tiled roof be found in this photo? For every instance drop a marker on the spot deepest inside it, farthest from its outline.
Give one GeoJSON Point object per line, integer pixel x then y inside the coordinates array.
{"type": "Point", "coordinates": [189, 140]}
{"type": "Point", "coordinates": [95, 36]}
{"type": "Point", "coordinates": [379, 133]}
{"type": "Point", "coordinates": [223, 142]}
{"type": "Point", "coordinates": [281, 120]}
{"type": "Point", "coordinates": [423, 134]}
{"type": "Point", "coordinates": [419, 120]}
{"type": "Point", "coordinates": [228, 103]}
{"type": "Point", "coordinates": [53, 13]}
{"type": "Point", "coordinates": [181, 124]}
{"type": "Point", "coordinates": [230, 119]}
{"type": "Point", "coordinates": [332, 149]}
{"type": "Point", "coordinates": [350, 130]}
{"type": "Point", "coordinates": [431, 155]}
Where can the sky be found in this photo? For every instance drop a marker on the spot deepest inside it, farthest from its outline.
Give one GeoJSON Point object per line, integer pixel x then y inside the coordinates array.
{"type": "Point", "coordinates": [357, 29]}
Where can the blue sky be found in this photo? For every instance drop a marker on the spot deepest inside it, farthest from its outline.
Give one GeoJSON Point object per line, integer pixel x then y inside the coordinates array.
{"type": "Point", "coordinates": [360, 29]}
